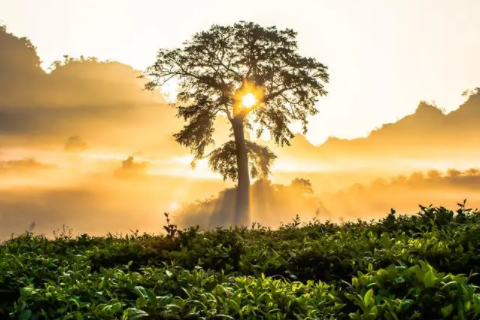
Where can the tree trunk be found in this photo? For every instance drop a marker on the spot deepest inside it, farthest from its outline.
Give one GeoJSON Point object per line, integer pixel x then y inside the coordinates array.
{"type": "Point", "coordinates": [242, 202]}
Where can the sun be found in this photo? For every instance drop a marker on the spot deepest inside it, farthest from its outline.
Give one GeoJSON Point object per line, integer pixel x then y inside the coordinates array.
{"type": "Point", "coordinates": [249, 100]}
{"type": "Point", "coordinates": [174, 206]}
{"type": "Point", "coordinates": [247, 97]}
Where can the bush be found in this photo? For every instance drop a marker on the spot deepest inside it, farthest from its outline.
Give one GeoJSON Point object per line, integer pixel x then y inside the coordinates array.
{"type": "Point", "coordinates": [418, 267]}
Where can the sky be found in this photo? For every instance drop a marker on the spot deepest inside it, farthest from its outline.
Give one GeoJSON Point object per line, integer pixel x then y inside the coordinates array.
{"type": "Point", "coordinates": [384, 57]}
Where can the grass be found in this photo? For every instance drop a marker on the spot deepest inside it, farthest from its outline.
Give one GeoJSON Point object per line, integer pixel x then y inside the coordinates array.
{"type": "Point", "coordinates": [418, 267]}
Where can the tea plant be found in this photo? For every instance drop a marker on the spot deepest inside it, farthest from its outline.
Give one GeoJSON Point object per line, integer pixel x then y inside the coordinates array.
{"type": "Point", "coordinates": [401, 267]}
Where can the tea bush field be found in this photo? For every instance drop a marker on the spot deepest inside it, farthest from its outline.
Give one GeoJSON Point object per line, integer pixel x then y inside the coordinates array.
{"type": "Point", "coordinates": [417, 267]}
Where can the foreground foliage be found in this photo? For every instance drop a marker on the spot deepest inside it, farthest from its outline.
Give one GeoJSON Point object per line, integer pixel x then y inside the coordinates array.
{"type": "Point", "coordinates": [418, 267]}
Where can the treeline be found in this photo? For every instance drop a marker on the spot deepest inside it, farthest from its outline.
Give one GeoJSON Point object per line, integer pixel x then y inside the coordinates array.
{"type": "Point", "coordinates": [469, 178]}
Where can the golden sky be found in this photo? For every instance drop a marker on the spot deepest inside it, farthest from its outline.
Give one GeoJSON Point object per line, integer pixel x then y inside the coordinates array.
{"type": "Point", "coordinates": [384, 56]}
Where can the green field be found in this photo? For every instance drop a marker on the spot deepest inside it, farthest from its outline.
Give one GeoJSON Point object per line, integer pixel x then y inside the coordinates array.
{"type": "Point", "coordinates": [418, 267]}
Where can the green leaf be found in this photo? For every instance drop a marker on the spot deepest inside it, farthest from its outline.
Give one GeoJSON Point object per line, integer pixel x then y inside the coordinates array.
{"type": "Point", "coordinates": [25, 314]}
{"type": "Point", "coordinates": [117, 306]}
{"type": "Point", "coordinates": [151, 296]}
{"type": "Point", "coordinates": [76, 300]}
{"type": "Point", "coordinates": [368, 299]}
{"type": "Point", "coordinates": [139, 290]}
{"type": "Point", "coordinates": [141, 302]}
{"type": "Point", "coordinates": [134, 314]}
{"type": "Point", "coordinates": [391, 270]}
{"type": "Point", "coordinates": [446, 311]}
{"type": "Point", "coordinates": [374, 311]}
{"type": "Point", "coordinates": [448, 284]}
{"type": "Point", "coordinates": [355, 282]}
{"type": "Point", "coordinates": [429, 279]}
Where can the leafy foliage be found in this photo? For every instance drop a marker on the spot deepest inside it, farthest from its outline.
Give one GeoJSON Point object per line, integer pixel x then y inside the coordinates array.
{"type": "Point", "coordinates": [223, 160]}
{"type": "Point", "coordinates": [213, 66]}
{"type": "Point", "coordinates": [418, 267]}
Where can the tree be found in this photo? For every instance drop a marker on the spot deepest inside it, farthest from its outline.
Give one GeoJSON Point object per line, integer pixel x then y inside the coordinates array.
{"type": "Point", "coordinates": [302, 185]}
{"type": "Point", "coordinates": [250, 74]}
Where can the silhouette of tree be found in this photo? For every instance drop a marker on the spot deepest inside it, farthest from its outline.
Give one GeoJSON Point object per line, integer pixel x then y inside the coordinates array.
{"type": "Point", "coordinates": [304, 185]}
{"type": "Point", "coordinates": [17, 54]}
{"type": "Point", "coordinates": [216, 70]}
{"type": "Point", "coordinates": [19, 69]}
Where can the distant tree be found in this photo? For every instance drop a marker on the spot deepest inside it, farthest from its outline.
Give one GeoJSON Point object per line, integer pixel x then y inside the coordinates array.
{"type": "Point", "coordinates": [68, 61]}
{"type": "Point", "coordinates": [251, 75]}
{"type": "Point", "coordinates": [472, 92]}
{"type": "Point", "coordinates": [434, 175]}
{"type": "Point", "coordinates": [472, 172]}
{"type": "Point", "coordinates": [416, 177]}
{"type": "Point", "coordinates": [19, 54]}
{"type": "Point", "coordinates": [303, 185]}
{"type": "Point", "coordinates": [20, 70]}
{"type": "Point", "coordinates": [453, 173]}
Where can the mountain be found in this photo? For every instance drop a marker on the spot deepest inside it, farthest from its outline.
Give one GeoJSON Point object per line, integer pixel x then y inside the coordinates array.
{"type": "Point", "coordinates": [100, 101]}
{"type": "Point", "coordinates": [427, 132]}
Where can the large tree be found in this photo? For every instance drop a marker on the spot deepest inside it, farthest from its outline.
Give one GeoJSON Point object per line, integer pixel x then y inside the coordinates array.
{"type": "Point", "coordinates": [251, 75]}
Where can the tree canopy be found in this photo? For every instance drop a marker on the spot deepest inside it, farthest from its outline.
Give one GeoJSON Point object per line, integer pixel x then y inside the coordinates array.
{"type": "Point", "coordinates": [215, 64]}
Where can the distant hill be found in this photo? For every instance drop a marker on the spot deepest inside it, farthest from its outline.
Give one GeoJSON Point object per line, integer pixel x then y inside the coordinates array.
{"type": "Point", "coordinates": [73, 82]}
{"type": "Point", "coordinates": [427, 132]}
{"type": "Point", "coordinates": [100, 101]}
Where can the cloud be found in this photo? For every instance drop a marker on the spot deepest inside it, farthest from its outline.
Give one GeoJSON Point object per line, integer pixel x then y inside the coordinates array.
{"type": "Point", "coordinates": [132, 169]}
{"type": "Point", "coordinates": [26, 165]}
{"type": "Point", "coordinates": [75, 144]}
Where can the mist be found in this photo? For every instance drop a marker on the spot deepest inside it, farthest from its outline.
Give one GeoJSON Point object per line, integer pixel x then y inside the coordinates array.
{"type": "Point", "coordinates": [83, 145]}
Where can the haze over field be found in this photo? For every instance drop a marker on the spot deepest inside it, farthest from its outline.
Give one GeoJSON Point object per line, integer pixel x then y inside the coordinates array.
{"type": "Point", "coordinates": [82, 144]}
